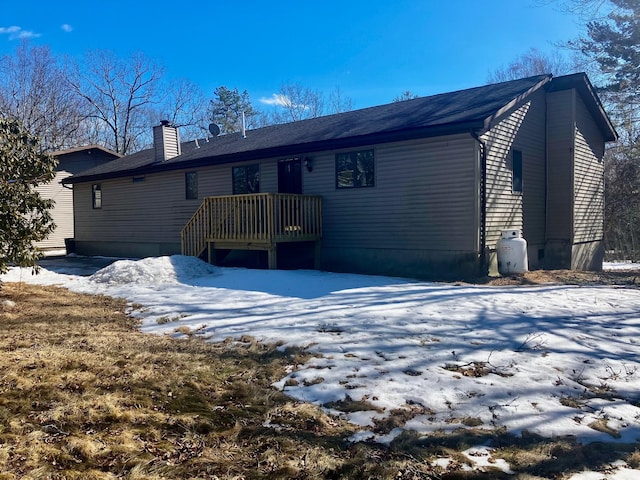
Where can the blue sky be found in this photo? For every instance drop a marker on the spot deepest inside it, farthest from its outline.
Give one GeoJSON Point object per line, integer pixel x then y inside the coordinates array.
{"type": "Point", "coordinates": [373, 50]}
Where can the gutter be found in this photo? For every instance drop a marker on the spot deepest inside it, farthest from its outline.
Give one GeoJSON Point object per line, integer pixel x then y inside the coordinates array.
{"type": "Point", "coordinates": [482, 238]}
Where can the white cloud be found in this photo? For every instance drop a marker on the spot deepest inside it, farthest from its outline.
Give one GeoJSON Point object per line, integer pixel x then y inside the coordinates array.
{"type": "Point", "coordinates": [66, 27]}
{"type": "Point", "coordinates": [280, 100]}
{"type": "Point", "coordinates": [277, 99]}
{"type": "Point", "coordinates": [9, 30]}
{"type": "Point", "coordinates": [14, 32]}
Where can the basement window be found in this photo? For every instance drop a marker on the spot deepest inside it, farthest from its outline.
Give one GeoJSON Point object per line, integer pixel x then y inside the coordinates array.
{"type": "Point", "coordinates": [355, 169]}
{"type": "Point", "coordinates": [246, 179]}
{"type": "Point", "coordinates": [96, 195]}
{"type": "Point", "coordinates": [516, 185]}
{"type": "Point", "coordinates": [191, 185]}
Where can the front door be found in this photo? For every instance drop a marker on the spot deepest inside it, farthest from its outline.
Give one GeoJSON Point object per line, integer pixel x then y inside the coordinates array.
{"type": "Point", "coordinates": [290, 176]}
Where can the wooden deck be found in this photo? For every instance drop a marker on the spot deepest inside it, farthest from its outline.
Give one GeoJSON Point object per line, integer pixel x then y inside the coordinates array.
{"type": "Point", "coordinates": [253, 222]}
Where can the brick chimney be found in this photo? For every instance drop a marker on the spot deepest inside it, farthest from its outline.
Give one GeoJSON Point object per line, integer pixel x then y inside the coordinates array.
{"type": "Point", "coordinates": [166, 141]}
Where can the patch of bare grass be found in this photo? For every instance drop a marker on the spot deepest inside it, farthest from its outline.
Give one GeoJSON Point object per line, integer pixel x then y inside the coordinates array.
{"type": "Point", "coordinates": [624, 278]}
{"type": "Point", "coordinates": [84, 394]}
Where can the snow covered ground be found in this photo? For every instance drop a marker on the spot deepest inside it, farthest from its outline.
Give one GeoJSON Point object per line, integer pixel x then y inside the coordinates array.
{"type": "Point", "coordinates": [551, 359]}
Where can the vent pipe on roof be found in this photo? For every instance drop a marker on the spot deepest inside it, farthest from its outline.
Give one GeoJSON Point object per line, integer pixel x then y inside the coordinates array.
{"type": "Point", "coordinates": [166, 141]}
{"type": "Point", "coordinates": [244, 126]}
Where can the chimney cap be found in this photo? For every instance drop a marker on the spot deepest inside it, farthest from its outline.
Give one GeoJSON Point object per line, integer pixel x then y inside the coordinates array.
{"type": "Point", "coordinates": [165, 123]}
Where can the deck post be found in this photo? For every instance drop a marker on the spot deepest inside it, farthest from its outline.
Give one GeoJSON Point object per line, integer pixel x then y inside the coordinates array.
{"type": "Point", "coordinates": [211, 254]}
{"type": "Point", "coordinates": [273, 257]}
{"type": "Point", "coordinates": [317, 254]}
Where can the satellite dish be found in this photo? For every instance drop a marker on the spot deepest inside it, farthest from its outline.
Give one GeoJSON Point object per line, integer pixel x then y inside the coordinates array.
{"type": "Point", "coordinates": [214, 129]}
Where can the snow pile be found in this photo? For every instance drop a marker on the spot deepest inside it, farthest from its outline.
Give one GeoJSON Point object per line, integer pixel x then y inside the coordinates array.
{"type": "Point", "coordinates": [622, 265]}
{"type": "Point", "coordinates": [8, 304]}
{"type": "Point", "coordinates": [153, 271]}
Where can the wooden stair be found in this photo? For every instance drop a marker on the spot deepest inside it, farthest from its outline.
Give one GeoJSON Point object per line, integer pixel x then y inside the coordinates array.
{"type": "Point", "coordinates": [253, 222]}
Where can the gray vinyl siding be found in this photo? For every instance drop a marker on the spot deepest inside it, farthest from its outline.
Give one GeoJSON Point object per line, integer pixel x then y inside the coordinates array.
{"type": "Point", "coordinates": [62, 211]}
{"type": "Point", "coordinates": [523, 130]}
{"type": "Point", "coordinates": [155, 210]}
{"type": "Point", "coordinates": [560, 141]}
{"type": "Point", "coordinates": [269, 177]}
{"type": "Point", "coordinates": [588, 216]}
{"type": "Point", "coordinates": [149, 211]}
{"type": "Point", "coordinates": [424, 198]}
{"type": "Point", "coordinates": [423, 213]}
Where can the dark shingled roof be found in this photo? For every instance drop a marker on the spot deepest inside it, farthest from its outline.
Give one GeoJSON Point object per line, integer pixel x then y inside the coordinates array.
{"type": "Point", "coordinates": [456, 112]}
{"type": "Point", "coordinates": [85, 148]}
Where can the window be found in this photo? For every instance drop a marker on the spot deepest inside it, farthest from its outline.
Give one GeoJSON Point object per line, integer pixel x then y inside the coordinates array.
{"type": "Point", "coordinates": [96, 195]}
{"type": "Point", "coordinates": [191, 185]}
{"type": "Point", "coordinates": [516, 185]}
{"type": "Point", "coordinates": [246, 179]}
{"type": "Point", "coordinates": [355, 169]}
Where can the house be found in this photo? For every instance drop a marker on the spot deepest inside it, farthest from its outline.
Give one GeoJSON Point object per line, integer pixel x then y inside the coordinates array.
{"type": "Point", "coordinates": [70, 162]}
{"type": "Point", "coordinates": [421, 188]}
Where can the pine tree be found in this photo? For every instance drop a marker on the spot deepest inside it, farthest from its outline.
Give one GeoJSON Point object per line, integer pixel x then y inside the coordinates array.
{"type": "Point", "coordinates": [227, 109]}
{"type": "Point", "coordinates": [613, 43]}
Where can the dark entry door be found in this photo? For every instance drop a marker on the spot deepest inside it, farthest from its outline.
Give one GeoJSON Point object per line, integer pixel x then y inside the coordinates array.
{"type": "Point", "coordinates": [290, 176]}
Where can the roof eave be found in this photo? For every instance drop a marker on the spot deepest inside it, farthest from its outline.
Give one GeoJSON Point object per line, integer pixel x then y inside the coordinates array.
{"type": "Point", "coordinates": [581, 83]}
{"type": "Point", "coordinates": [287, 150]}
{"type": "Point", "coordinates": [84, 148]}
{"type": "Point", "coordinates": [491, 120]}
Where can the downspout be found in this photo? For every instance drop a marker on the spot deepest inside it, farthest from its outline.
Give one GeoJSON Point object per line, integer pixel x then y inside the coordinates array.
{"type": "Point", "coordinates": [482, 239]}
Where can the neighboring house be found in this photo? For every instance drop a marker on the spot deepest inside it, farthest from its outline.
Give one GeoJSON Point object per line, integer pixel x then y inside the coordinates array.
{"type": "Point", "coordinates": [70, 162]}
{"type": "Point", "coordinates": [421, 187]}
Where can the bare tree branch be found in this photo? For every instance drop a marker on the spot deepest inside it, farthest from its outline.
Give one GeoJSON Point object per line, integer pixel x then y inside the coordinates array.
{"type": "Point", "coordinates": [34, 90]}
{"type": "Point", "coordinates": [121, 94]}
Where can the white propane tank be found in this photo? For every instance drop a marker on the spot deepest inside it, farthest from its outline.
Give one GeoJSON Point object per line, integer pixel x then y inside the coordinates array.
{"type": "Point", "coordinates": [512, 253]}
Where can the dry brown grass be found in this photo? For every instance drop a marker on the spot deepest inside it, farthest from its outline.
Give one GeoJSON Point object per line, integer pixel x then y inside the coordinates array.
{"type": "Point", "coordinates": [85, 395]}
{"type": "Point", "coordinates": [625, 278]}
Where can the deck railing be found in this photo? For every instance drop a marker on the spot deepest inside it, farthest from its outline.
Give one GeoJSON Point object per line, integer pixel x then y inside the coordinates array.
{"type": "Point", "coordinates": [262, 218]}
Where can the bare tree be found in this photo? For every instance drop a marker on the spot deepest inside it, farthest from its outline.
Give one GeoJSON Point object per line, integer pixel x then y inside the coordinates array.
{"type": "Point", "coordinates": [622, 201]}
{"type": "Point", "coordinates": [34, 91]}
{"type": "Point", "coordinates": [121, 95]}
{"type": "Point", "coordinates": [583, 9]}
{"type": "Point", "coordinates": [613, 44]}
{"type": "Point", "coordinates": [338, 102]}
{"type": "Point", "coordinates": [406, 95]}
{"type": "Point", "coordinates": [295, 102]}
{"type": "Point", "coordinates": [533, 62]}
{"type": "Point", "coordinates": [185, 105]}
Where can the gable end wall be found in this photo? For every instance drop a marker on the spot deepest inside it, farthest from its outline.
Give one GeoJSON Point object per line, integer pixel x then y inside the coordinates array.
{"type": "Point", "coordinates": [575, 199]}
{"type": "Point", "coordinates": [522, 129]}
{"type": "Point", "coordinates": [588, 184]}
